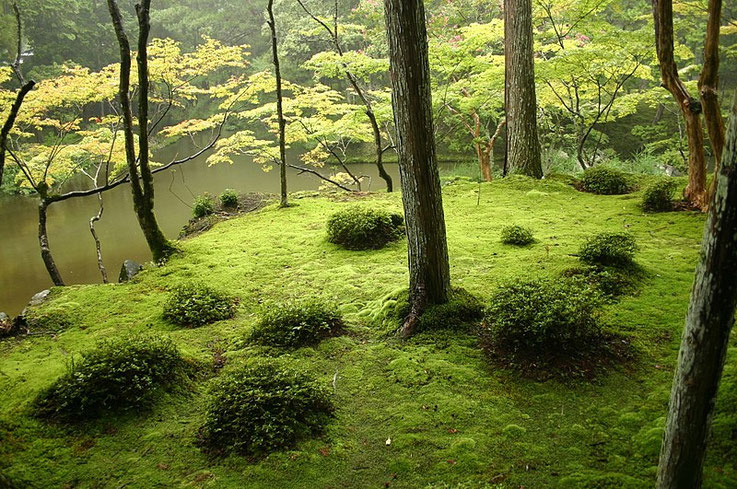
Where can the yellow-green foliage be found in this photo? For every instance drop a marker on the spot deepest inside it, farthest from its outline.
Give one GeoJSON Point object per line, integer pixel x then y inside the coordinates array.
{"type": "Point", "coordinates": [444, 409]}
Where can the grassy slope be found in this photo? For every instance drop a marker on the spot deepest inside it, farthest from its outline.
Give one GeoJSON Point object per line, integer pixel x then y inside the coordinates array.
{"type": "Point", "coordinates": [451, 419]}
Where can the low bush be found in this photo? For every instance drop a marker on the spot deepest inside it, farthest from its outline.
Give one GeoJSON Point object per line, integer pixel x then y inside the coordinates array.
{"type": "Point", "coordinates": [204, 205]}
{"type": "Point", "coordinates": [542, 316]}
{"type": "Point", "coordinates": [362, 228]}
{"type": "Point", "coordinates": [229, 199]}
{"type": "Point", "coordinates": [195, 304]}
{"type": "Point", "coordinates": [609, 249]}
{"type": "Point", "coordinates": [605, 181]}
{"type": "Point", "coordinates": [460, 313]}
{"type": "Point", "coordinates": [517, 235]}
{"type": "Point", "coordinates": [658, 197]}
{"type": "Point", "coordinates": [297, 324]}
{"type": "Point", "coordinates": [117, 375]}
{"type": "Point", "coordinates": [264, 407]}
{"type": "Point", "coordinates": [612, 282]}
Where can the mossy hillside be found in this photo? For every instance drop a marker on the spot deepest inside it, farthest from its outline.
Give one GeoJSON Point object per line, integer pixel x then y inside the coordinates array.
{"type": "Point", "coordinates": [452, 420]}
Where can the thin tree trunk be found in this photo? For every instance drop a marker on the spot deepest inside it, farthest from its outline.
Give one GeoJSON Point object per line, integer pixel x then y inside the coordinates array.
{"type": "Point", "coordinates": [98, 245]}
{"type": "Point", "coordinates": [142, 185]}
{"type": "Point", "coordinates": [523, 144]}
{"type": "Point", "coordinates": [709, 85]}
{"type": "Point", "coordinates": [10, 122]}
{"type": "Point", "coordinates": [690, 107]}
{"type": "Point", "coordinates": [423, 203]}
{"type": "Point", "coordinates": [43, 240]}
{"type": "Point", "coordinates": [706, 337]}
{"type": "Point", "coordinates": [279, 106]}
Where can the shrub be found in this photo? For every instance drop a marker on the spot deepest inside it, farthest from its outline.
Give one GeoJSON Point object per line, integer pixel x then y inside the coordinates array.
{"type": "Point", "coordinates": [609, 249]}
{"type": "Point", "coordinates": [117, 375]}
{"type": "Point", "coordinates": [196, 304]}
{"type": "Point", "coordinates": [229, 199]}
{"type": "Point", "coordinates": [361, 228]}
{"type": "Point", "coordinates": [460, 312]}
{"type": "Point", "coordinates": [517, 235]}
{"type": "Point", "coordinates": [612, 282]}
{"type": "Point", "coordinates": [297, 324]}
{"type": "Point", "coordinates": [204, 205]}
{"type": "Point", "coordinates": [264, 407]}
{"type": "Point", "coordinates": [658, 197]}
{"type": "Point", "coordinates": [606, 181]}
{"type": "Point", "coordinates": [542, 317]}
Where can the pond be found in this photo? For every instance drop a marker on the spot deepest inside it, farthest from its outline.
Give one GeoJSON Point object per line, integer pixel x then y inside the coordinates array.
{"type": "Point", "coordinates": [22, 272]}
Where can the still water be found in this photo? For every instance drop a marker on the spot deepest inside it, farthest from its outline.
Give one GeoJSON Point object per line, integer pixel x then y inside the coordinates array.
{"type": "Point", "coordinates": [22, 273]}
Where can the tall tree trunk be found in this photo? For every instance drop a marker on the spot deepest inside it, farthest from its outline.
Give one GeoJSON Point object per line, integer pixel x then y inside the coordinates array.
{"type": "Point", "coordinates": [142, 184]}
{"type": "Point", "coordinates": [523, 144]}
{"type": "Point", "coordinates": [690, 107]}
{"type": "Point", "coordinates": [43, 240]}
{"type": "Point", "coordinates": [423, 203]}
{"type": "Point", "coordinates": [709, 84]}
{"type": "Point", "coordinates": [279, 106]}
{"type": "Point", "coordinates": [705, 340]}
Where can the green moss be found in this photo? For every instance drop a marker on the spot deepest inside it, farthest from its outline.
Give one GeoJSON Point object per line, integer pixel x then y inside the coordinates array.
{"type": "Point", "coordinates": [430, 395]}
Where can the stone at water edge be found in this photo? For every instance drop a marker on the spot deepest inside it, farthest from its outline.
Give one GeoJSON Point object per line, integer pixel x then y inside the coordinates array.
{"type": "Point", "coordinates": [129, 270]}
{"type": "Point", "coordinates": [39, 298]}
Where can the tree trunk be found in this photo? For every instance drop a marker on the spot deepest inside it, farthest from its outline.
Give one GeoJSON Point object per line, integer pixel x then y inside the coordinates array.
{"type": "Point", "coordinates": [43, 240]}
{"type": "Point", "coordinates": [690, 107]}
{"type": "Point", "coordinates": [98, 245]}
{"type": "Point", "coordinates": [142, 185]}
{"type": "Point", "coordinates": [10, 122]}
{"type": "Point", "coordinates": [279, 106]}
{"type": "Point", "coordinates": [709, 85]}
{"type": "Point", "coordinates": [423, 203]}
{"type": "Point", "coordinates": [523, 145]}
{"type": "Point", "coordinates": [706, 337]}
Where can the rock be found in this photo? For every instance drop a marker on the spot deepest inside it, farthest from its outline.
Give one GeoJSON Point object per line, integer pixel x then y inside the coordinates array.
{"type": "Point", "coordinates": [129, 270]}
{"type": "Point", "coordinates": [39, 298]}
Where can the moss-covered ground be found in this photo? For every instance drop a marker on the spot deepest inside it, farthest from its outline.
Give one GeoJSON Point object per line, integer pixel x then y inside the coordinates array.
{"type": "Point", "coordinates": [428, 412]}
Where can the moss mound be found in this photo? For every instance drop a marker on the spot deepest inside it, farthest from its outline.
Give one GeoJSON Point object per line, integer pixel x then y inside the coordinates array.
{"type": "Point", "coordinates": [604, 180]}
{"type": "Point", "coordinates": [609, 249]}
{"type": "Point", "coordinates": [117, 375]}
{"type": "Point", "coordinates": [659, 196]}
{"type": "Point", "coordinates": [460, 313]}
{"type": "Point", "coordinates": [362, 228]}
{"type": "Point", "coordinates": [297, 324]}
{"type": "Point", "coordinates": [517, 235]}
{"type": "Point", "coordinates": [196, 304]}
{"type": "Point", "coordinates": [264, 407]}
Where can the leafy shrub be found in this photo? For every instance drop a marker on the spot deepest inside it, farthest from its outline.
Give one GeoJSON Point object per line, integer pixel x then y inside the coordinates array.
{"type": "Point", "coordinates": [362, 228]}
{"type": "Point", "coordinates": [609, 249]}
{"type": "Point", "coordinates": [605, 181]}
{"type": "Point", "coordinates": [541, 317]}
{"type": "Point", "coordinates": [517, 235]}
{"type": "Point", "coordinates": [297, 324]}
{"type": "Point", "coordinates": [117, 375]}
{"type": "Point", "coordinates": [196, 304]}
{"type": "Point", "coordinates": [229, 199]}
{"type": "Point", "coordinates": [264, 407]}
{"type": "Point", "coordinates": [658, 197]}
{"type": "Point", "coordinates": [612, 282]}
{"type": "Point", "coordinates": [461, 311]}
{"type": "Point", "coordinates": [204, 205]}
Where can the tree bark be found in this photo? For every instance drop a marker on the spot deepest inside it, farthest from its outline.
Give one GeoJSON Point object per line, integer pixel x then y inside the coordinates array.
{"type": "Point", "coordinates": [98, 246]}
{"type": "Point", "coordinates": [690, 107]}
{"type": "Point", "coordinates": [10, 122]}
{"type": "Point", "coordinates": [709, 84]}
{"type": "Point", "coordinates": [142, 183]}
{"type": "Point", "coordinates": [705, 339]}
{"type": "Point", "coordinates": [279, 106]}
{"type": "Point", "coordinates": [523, 144]}
{"type": "Point", "coordinates": [43, 240]}
{"type": "Point", "coordinates": [423, 203]}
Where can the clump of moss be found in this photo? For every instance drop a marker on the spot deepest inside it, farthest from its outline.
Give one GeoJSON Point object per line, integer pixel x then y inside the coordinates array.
{"type": "Point", "coordinates": [658, 197]}
{"type": "Point", "coordinates": [605, 181]}
{"type": "Point", "coordinates": [611, 282]}
{"type": "Point", "coordinates": [204, 205]}
{"type": "Point", "coordinates": [229, 199]}
{"type": "Point", "coordinates": [545, 327]}
{"type": "Point", "coordinates": [264, 407]}
{"type": "Point", "coordinates": [517, 235]}
{"type": "Point", "coordinates": [363, 228]}
{"type": "Point", "coordinates": [462, 311]}
{"type": "Point", "coordinates": [609, 249]}
{"type": "Point", "coordinates": [195, 304]}
{"type": "Point", "coordinates": [297, 324]}
{"type": "Point", "coordinates": [117, 375]}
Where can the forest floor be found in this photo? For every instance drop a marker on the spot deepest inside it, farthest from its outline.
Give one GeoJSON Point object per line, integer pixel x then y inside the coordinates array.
{"type": "Point", "coordinates": [452, 420]}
